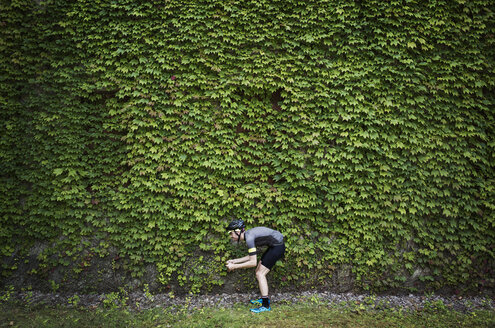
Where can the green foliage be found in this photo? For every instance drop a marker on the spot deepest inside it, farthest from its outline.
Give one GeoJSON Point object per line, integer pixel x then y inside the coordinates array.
{"type": "Point", "coordinates": [302, 314]}
{"type": "Point", "coordinates": [364, 131]}
{"type": "Point", "coordinates": [115, 300]}
{"type": "Point", "coordinates": [74, 300]}
{"type": "Point", "coordinates": [6, 294]}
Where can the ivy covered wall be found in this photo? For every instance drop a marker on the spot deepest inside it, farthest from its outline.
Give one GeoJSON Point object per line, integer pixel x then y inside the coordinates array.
{"type": "Point", "coordinates": [131, 131]}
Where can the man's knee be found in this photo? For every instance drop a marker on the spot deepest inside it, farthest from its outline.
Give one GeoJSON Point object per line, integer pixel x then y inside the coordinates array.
{"type": "Point", "coordinates": [260, 275]}
{"type": "Point", "coordinates": [261, 272]}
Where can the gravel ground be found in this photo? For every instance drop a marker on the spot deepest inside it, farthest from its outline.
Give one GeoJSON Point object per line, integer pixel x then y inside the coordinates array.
{"type": "Point", "coordinates": [349, 301]}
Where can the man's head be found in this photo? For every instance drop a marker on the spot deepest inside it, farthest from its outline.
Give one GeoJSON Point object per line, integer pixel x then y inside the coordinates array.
{"type": "Point", "coordinates": [235, 235]}
{"type": "Point", "coordinates": [235, 229]}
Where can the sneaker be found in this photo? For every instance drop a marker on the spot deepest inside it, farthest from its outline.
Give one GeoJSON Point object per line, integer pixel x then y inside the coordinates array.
{"type": "Point", "coordinates": [261, 309]}
{"type": "Point", "coordinates": [258, 302]}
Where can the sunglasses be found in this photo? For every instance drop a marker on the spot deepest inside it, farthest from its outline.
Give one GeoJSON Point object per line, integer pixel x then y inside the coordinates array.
{"type": "Point", "coordinates": [230, 231]}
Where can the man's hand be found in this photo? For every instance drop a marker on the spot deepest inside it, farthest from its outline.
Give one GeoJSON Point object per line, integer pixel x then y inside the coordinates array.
{"type": "Point", "coordinates": [229, 261]}
{"type": "Point", "coordinates": [230, 266]}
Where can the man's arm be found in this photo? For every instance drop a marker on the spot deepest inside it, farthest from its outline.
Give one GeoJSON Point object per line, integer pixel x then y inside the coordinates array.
{"type": "Point", "coordinates": [239, 260]}
{"type": "Point", "coordinates": [251, 262]}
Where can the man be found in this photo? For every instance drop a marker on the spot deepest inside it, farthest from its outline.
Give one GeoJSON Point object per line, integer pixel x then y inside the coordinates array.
{"type": "Point", "coordinates": [256, 237]}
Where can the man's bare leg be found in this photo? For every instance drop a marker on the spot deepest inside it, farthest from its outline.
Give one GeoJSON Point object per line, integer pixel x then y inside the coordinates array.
{"type": "Point", "coordinates": [261, 272]}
